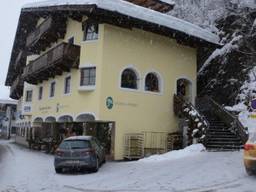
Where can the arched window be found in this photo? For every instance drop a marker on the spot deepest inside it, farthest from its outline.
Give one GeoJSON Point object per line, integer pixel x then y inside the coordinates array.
{"type": "Point", "coordinates": [152, 83]}
{"type": "Point", "coordinates": [129, 79]}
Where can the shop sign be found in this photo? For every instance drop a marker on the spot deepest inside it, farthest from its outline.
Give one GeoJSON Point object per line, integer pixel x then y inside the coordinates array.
{"type": "Point", "coordinates": [109, 102]}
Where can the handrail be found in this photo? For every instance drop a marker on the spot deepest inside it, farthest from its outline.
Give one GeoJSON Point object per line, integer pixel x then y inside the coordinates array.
{"type": "Point", "coordinates": [229, 119]}
{"type": "Point", "coordinates": [184, 108]}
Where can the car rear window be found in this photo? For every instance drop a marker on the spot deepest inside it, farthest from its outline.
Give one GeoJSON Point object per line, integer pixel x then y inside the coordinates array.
{"type": "Point", "coordinates": [75, 144]}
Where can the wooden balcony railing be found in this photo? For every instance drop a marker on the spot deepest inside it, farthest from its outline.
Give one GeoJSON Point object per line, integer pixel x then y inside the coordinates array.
{"type": "Point", "coordinates": [55, 61]}
{"type": "Point", "coordinates": [17, 88]}
{"type": "Point", "coordinates": [20, 61]}
{"type": "Point", "coordinates": [46, 33]}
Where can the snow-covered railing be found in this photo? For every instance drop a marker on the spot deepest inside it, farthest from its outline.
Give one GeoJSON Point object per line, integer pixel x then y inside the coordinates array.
{"type": "Point", "coordinates": [229, 119]}
{"type": "Point", "coordinates": [198, 125]}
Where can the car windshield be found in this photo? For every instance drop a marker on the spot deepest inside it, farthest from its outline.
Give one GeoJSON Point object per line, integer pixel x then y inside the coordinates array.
{"type": "Point", "coordinates": [75, 144]}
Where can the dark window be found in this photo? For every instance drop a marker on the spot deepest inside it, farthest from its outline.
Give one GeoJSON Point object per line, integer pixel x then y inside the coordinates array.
{"type": "Point", "coordinates": [52, 89]}
{"type": "Point", "coordinates": [75, 144]}
{"type": "Point", "coordinates": [129, 79]}
{"type": "Point", "coordinates": [88, 76]}
{"type": "Point", "coordinates": [40, 93]}
{"type": "Point", "coordinates": [152, 83]}
{"type": "Point", "coordinates": [67, 85]}
{"type": "Point", "coordinates": [71, 40]}
{"type": "Point", "coordinates": [91, 32]}
{"type": "Point", "coordinates": [29, 96]}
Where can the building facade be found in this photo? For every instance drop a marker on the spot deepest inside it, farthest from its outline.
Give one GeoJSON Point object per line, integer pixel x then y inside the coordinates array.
{"type": "Point", "coordinates": [91, 74]}
{"type": "Point", "coordinates": [7, 118]}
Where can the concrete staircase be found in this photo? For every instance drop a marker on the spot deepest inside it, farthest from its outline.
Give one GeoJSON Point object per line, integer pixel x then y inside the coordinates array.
{"type": "Point", "coordinates": [219, 137]}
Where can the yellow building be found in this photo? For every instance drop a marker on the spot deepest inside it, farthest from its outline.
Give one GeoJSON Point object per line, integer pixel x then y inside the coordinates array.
{"type": "Point", "coordinates": [107, 68]}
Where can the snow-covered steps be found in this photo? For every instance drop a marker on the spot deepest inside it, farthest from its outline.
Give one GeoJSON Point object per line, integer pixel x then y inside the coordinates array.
{"type": "Point", "coordinates": [220, 138]}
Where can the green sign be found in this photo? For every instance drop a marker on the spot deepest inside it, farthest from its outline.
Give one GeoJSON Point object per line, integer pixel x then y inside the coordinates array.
{"type": "Point", "coordinates": [109, 102]}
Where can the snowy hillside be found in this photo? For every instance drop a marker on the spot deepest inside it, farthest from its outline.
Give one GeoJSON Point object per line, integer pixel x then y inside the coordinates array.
{"type": "Point", "coordinates": [205, 12]}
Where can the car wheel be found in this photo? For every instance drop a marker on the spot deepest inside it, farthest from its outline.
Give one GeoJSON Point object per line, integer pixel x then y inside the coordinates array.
{"type": "Point", "coordinates": [249, 171]}
{"type": "Point", "coordinates": [58, 170]}
{"type": "Point", "coordinates": [96, 168]}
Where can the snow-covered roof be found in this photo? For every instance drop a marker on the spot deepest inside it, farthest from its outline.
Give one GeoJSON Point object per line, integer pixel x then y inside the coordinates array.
{"type": "Point", "coordinates": [78, 138]}
{"type": "Point", "coordinates": [138, 12]}
{"type": "Point", "coordinates": [171, 2]}
{"type": "Point", "coordinates": [7, 101]}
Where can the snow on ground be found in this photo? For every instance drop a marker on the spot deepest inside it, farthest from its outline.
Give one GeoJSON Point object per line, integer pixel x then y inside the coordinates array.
{"type": "Point", "coordinates": [23, 170]}
{"type": "Point", "coordinates": [191, 150]}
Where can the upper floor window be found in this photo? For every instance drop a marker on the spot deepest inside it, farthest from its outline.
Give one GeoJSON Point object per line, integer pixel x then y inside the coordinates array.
{"type": "Point", "coordinates": [52, 89]}
{"type": "Point", "coordinates": [29, 95]}
{"type": "Point", "coordinates": [88, 76]}
{"type": "Point", "coordinates": [129, 79]}
{"type": "Point", "coordinates": [152, 83]}
{"type": "Point", "coordinates": [40, 93]}
{"type": "Point", "coordinates": [71, 40]}
{"type": "Point", "coordinates": [91, 32]}
{"type": "Point", "coordinates": [67, 85]}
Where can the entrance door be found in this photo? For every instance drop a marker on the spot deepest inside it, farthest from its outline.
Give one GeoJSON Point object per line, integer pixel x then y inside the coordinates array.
{"type": "Point", "coordinates": [184, 89]}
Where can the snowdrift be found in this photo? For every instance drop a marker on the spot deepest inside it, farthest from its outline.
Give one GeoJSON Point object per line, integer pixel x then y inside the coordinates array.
{"type": "Point", "coordinates": [176, 154]}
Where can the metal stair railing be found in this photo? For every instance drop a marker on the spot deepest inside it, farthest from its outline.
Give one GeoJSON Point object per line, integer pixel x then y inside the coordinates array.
{"type": "Point", "coordinates": [229, 119]}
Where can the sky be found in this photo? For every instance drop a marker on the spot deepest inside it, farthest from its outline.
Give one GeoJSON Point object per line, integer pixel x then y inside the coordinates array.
{"type": "Point", "coordinates": [9, 15]}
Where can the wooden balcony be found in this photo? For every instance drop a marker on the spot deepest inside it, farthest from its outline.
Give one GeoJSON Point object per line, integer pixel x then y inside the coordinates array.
{"type": "Point", "coordinates": [17, 88]}
{"type": "Point", "coordinates": [20, 62]}
{"type": "Point", "coordinates": [49, 31]}
{"type": "Point", "coordinates": [57, 60]}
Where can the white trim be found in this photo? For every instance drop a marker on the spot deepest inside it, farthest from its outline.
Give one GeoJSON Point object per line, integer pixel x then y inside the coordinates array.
{"type": "Point", "coordinates": [70, 89]}
{"type": "Point", "coordinates": [160, 82]}
{"type": "Point", "coordinates": [50, 83]}
{"type": "Point", "coordinates": [87, 65]}
{"type": "Point", "coordinates": [86, 113]}
{"type": "Point", "coordinates": [50, 117]}
{"type": "Point", "coordinates": [138, 78]}
{"type": "Point", "coordinates": [62, 115]}
{"type": "Point", "coordinates": [89, 41]}
{"type": "Point", "coordinates": [87, 88]}
{"type": "Point", "coordinates": [93, 40]}
{"type": "Point", "coordinates": [38, 118]}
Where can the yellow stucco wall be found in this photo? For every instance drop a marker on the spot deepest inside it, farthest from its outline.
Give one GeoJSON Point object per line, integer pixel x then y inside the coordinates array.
{"type": "Point", "coordinates": [77, 101]}
{"type": "Point", "coordinates": [134, 111]}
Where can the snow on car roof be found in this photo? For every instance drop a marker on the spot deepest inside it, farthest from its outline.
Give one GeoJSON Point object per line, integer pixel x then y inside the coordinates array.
{"type": "Point", "coordinates": [78, 138]}
{"type": "Point", "coordinates": [138, 12]}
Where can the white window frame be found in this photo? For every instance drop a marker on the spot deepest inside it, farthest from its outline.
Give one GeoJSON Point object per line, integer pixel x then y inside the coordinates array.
{"type": "Point", "coordinates": [160, 82]}
{"type": "Point", "coordinates": [138, 79]}
{"type": "Point", "coordinates": [87, 87]}
{"type": "Point", "coordinates": [92, 40]}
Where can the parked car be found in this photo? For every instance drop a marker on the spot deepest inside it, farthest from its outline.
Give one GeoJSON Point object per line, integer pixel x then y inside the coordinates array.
{"type": "Point", "coordinates": [250, 155]}
{"type": "Point", "coordinates": [83, 153]}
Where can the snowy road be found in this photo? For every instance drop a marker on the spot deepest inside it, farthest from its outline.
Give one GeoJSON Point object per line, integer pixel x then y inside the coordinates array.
{"type": "Point", "coordinates": [22, 170]}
